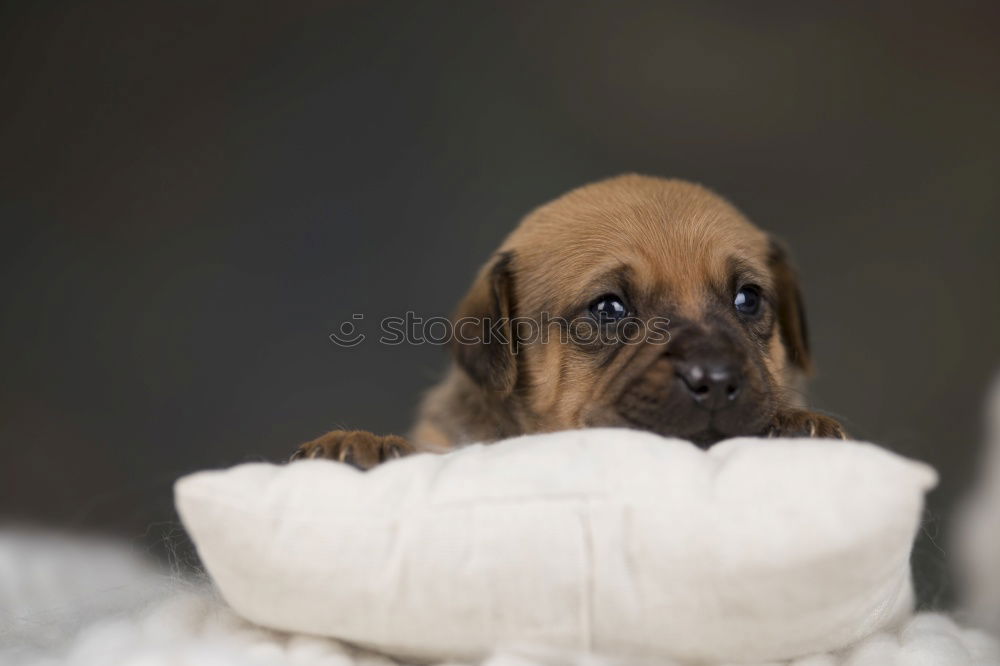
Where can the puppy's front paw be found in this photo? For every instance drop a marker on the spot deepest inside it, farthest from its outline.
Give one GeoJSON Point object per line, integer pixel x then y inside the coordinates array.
{"type": "Point", "coordinates": [358, 448]}
{"type": "Point", "coordinates": [803, 423]}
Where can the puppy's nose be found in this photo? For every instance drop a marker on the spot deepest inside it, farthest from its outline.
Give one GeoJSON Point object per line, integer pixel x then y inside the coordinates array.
{"type": "Point", "coordinates": [712, 384]}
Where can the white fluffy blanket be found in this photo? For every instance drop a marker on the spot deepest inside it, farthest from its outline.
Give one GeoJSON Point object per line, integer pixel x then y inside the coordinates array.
{"type": "Point", "coordinates": [79, 602]}
{"type": "Point", "coordinates": [82, 603]}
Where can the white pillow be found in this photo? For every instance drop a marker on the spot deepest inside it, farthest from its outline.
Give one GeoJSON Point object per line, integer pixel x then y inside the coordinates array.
{"type": "Point", "coordinates": [610, 541]}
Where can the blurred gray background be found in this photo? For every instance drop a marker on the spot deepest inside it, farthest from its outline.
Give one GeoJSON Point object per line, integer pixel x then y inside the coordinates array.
{"type": "Point", "coordinates": [195, 194]}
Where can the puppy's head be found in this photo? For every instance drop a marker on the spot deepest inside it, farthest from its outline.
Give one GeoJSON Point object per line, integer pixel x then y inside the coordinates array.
{"type": "Point", "coordinates": [638, 302]}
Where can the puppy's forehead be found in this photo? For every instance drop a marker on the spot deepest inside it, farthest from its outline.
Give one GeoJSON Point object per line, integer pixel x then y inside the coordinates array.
{"type": "Point", "coordinates": [669, 235]}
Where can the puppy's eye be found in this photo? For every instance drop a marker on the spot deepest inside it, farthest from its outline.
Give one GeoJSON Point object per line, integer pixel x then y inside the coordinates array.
{"type": "Point", "coordinates": [608, 308]}
{"type": "Point", "coordinates": [748, 301]}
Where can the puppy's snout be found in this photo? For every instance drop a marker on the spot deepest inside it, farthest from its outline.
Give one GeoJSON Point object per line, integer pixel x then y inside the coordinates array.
{"type": "Point", "coordinates": [712, 383]}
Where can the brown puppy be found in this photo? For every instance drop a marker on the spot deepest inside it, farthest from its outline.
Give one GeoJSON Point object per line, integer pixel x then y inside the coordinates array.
{"type": "Point", "coordinates": [636, 302]}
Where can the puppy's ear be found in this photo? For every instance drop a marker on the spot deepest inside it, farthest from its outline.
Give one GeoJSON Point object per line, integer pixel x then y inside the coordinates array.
{"type": "Point", "coordinates": [483, 344]}
{"type": "Point", "coordinates": [791, 312]}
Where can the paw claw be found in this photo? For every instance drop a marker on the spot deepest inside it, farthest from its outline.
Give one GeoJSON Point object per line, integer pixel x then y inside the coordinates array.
{"type": "Point", "coordinates": [802, 423]}
{"type": "Point", "coordinates": [359, 449]}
